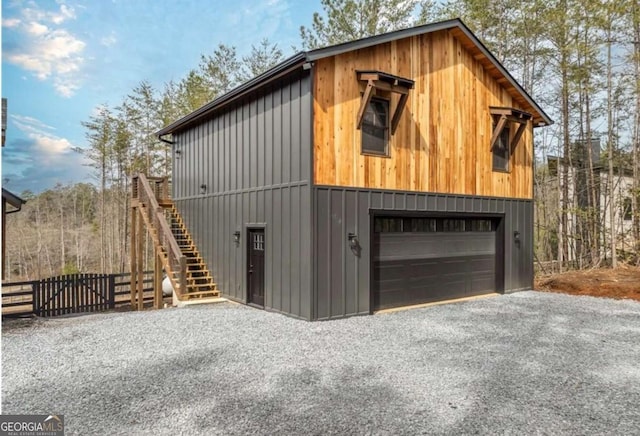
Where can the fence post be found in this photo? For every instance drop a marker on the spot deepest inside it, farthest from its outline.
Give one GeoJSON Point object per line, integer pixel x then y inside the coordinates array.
{"type": "Point", "coordinates": [35, 298]}
{"type": "Point", "coordinates": [112, 291]}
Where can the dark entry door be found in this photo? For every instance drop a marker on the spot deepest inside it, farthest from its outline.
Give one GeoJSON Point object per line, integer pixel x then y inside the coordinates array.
{"type": "Point", "coordinates": [255, 271]}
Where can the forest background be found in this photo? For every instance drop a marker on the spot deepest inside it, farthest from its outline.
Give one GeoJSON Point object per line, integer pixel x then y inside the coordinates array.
{"type": "Point", "coordinates": [579, 59]}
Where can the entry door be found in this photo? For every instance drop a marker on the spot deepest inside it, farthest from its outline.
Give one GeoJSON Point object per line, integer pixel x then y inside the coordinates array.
{"type": "Point", "coordinates": [255, 271]}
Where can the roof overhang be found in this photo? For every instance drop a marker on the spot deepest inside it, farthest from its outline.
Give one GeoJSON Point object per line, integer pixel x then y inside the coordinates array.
{"type": "Point", "coordinates": [303, 60]}
{"type": "Point", "coordinates": [12, 200]}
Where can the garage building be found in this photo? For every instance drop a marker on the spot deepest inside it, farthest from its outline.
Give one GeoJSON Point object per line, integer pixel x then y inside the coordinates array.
{"type": "Point", "coordinates": [388, 171]}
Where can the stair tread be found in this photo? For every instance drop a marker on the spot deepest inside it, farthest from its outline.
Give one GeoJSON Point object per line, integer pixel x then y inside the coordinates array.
{"type": "Point", "coordinates": [198, 278]}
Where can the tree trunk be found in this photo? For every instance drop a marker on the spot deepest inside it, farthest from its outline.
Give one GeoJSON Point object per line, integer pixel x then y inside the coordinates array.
{"type": "Point", "coordinates": [635, 197]}
{"type": "Point", "coordinates": [563, 249]}
{"type": "Point", "coordinates": [610, 148]}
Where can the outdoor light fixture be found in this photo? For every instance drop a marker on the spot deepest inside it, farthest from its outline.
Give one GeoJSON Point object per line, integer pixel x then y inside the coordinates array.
{"type": "Point", "coordinates": [236, 237]}
{"type": "Point", "coordinates": [516, 237]}
{"type": "Point", "coordinates": [353, 240]}
{"type": "Point", "coordinates": [178, 153]}
{"type": "Point", "coordinates": [203, 188]}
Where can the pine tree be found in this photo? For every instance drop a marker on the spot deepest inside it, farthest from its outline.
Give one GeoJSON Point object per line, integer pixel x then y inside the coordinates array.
{"type": "Point", "coordinates": [347, 20]}
{"type": "Point", "coordinates": [261, 58]}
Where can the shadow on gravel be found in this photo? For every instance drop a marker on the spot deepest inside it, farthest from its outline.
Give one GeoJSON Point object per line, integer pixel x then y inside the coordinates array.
{"type": "Point", "coordinates": [308, 402]}
{"type": "Point", "coordinates": [290, 402]}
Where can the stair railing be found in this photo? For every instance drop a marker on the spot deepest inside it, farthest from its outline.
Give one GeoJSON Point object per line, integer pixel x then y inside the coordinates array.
{"type": "Point", "coordinates": [154, 216]}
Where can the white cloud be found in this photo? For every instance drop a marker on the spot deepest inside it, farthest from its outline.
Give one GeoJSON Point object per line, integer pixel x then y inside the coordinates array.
{"type": "Point", "coordinates": [49, 52]}
{"type": "Point", "coordinates": [52, 146]}
{"type": "Point", "coordinates": [41, 159]}
{"type": "Point", "coordinates": [65, 88]}
{"type": "Point", "coordinates": [56, 17]}
{"type": "Point", "coordinates": [110, 40]}
{"type": "Point", "coordinates": [11, 22]}
{"type": "Point", "coordinates": [29, 124]}
{"type": "Point", "coordinates": [46, 144]}
{"type": "Point", "coordinates": [36, 29]}
{"type": "Point", "coordinates": [65, 13]}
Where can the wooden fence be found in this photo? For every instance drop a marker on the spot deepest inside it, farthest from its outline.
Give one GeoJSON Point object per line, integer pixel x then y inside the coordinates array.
{"type": "Point", "coordinates": [76, 293]}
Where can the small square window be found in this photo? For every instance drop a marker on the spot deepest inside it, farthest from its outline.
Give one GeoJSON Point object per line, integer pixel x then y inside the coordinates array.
{"type": "Point", "coordinates": [501, 152]}
{"type": "Point", "coordinates": [375, 127]}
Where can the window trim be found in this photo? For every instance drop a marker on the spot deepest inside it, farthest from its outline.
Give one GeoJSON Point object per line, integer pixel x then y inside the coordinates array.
{"type": "Point", "coordinates": [387, 130]}
{"type": "Point", "coordinates": [380, 81]}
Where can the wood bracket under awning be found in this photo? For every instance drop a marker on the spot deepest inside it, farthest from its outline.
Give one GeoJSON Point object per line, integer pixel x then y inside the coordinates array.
{"type": "Point", "coordinates": [377, 80]}
{"type": "Point", "coordinates": [503, 115]}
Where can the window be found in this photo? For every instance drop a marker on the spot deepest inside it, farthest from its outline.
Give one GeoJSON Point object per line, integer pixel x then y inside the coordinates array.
{"type": "Point", "coordinates": [429, 225]}
{"type": "Point", "coordinates": [502, 142]}
{"type": "Point", "coordinates": [375, 127]}
{"type": "Point", "coordinates": [626, 209]}
{"type": "Point", "coordinates": [501, 151]}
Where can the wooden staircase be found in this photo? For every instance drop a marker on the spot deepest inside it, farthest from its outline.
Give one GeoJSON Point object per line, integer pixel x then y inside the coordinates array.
{"type": "Point", "coordinates": [200, 284]}
{"type": "Point", "coordinates": [175, 252]}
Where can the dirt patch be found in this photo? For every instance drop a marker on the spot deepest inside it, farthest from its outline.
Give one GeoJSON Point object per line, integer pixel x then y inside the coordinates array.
{"type": "Point", "coordinates": [619, 283]}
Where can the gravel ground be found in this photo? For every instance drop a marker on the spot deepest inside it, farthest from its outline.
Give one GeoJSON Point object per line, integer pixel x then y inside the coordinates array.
{"type": "Point", "coordinates": [527, 363]}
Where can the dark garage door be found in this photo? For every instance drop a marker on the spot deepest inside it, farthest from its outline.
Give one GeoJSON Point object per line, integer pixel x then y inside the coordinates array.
{"type": "Point", "coordinates": [420, 260]}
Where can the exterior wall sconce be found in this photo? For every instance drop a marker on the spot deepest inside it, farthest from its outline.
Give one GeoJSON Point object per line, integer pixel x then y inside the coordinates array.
{"type": "Point", "coordinates": [178, 153]}
{"type": "Point", "coordinates": [203, 188]}
{"type": "Point", "coordinates": [354, 244]}
{"type": "Point", "coordinates": [353, 241]}
{"type": "Point", "coordinates": [516, 237]}
{"type": "Point", "coordinates": [236, 237]}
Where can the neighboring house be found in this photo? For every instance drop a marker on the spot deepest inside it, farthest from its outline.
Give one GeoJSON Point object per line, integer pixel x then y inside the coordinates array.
{"type": "Point", "coordinates": [388, 171]}
{"type": "Point", "coordinates": [579, 179]}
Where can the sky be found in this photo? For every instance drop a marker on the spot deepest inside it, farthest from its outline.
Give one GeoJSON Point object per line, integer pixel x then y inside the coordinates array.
{"type": "Point", "coordinates": [61, 59]}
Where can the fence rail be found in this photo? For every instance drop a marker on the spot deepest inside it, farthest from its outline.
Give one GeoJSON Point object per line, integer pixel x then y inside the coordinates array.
{"type": "Point", "coordinates": [67, 294]}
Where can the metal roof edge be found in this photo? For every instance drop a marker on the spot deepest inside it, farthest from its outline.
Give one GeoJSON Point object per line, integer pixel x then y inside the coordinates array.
{"type": "Point", "coordinates": [292, 62]}
{"type": "Point", "coordinates": [485, 51]}
{"type": "Point", "coordinates": [381, 39]}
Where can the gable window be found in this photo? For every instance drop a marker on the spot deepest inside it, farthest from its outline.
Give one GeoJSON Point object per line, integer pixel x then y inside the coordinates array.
{"type": "Point", "coordinates": [375, 127]}
{"type": "Point", "coordinates": [503, 143]}
{"type": "Point", "coordinates": [375, 120]}
{"type": "Point", "coordinates": [501, 152]}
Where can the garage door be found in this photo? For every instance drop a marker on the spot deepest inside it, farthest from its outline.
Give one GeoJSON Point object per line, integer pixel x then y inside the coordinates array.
{"type": "Point", "coordinates": [420, 260]}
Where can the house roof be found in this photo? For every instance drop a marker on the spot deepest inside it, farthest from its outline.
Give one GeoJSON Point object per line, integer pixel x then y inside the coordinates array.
{"type": "Point", "coordinates": [12, 199]}
{"type": "Point", "coordinates": [457, 28]}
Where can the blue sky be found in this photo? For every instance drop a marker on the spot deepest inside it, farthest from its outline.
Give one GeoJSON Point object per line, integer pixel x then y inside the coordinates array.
{"type": "Point", "coordinates": [61, 59]}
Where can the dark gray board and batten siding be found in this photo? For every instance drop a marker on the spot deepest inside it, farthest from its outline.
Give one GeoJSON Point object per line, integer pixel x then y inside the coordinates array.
{"type": "Point", "coordinates": [343, 280]}
{"type": "Point", "coordinates": [254, 158]}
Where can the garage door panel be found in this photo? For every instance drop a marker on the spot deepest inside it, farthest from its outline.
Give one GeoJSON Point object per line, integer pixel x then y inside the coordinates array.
{"type": "Point", "coordinates": [398, 283]}
{"type": "Point", "coordinates": [481, 285]}
{"type": "Point", "coordinates": [419, 267]}
{"type": "Point", "coordinates": [404, 297]}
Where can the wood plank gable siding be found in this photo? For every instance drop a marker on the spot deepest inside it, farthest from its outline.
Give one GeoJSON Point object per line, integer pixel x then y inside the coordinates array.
{"type": "Point", "coordinates": [442, 141]}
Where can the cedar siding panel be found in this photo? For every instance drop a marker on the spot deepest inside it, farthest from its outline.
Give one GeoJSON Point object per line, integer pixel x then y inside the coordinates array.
{"type": "Point", "coordinates": [442, 141]}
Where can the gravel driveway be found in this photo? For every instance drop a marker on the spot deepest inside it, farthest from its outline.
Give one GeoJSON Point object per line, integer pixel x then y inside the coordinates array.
{"type": "Point", "coordinates": [527, 363]}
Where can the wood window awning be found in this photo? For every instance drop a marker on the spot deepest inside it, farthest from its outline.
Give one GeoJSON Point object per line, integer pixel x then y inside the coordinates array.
{"type": "Point", "coordinates": [377, 80]}
{"type": "Point", "coordinates": [503, 115]}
